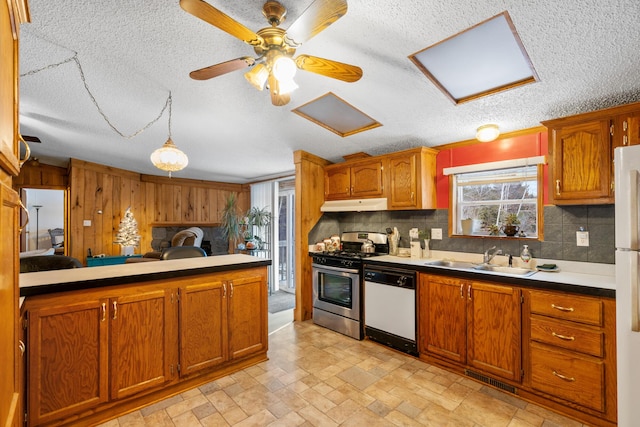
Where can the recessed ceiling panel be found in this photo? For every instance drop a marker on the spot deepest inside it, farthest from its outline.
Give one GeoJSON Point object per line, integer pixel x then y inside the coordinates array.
{"type": "Point", "coordinates": [336, 115]}
{"type": "Point", "coordinates": [481, 60]}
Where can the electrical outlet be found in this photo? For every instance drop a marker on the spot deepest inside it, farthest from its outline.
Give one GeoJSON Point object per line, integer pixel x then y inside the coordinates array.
{"type": "Point", "coordinates": [436, 233]}
{"type": "Point", "coordinates": [86, 223]}
{"type": "Point", "coordinates": [582, 238]}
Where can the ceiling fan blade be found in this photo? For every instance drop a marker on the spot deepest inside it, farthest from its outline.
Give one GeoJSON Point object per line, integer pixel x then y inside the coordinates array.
{"type": "Point", "coordinates": [326, 67]}
{"type": "Point", "coordinates": [318, 16]}
{"type": "Point", "coordinates": [222, 68]}
{"type": "Point", "coordinates": [277, 99]}
{"type": "Point", "coordinates": [206, 12]}
{"type": "Point", "coordinates": [31, 138]}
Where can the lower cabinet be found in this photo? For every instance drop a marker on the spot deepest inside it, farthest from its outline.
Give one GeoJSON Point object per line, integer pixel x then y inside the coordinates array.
{"type": "Point", "coordinates": [554, 348]}
{"type": "Point", "coordinates": [235, 306]}
{"type": "Point", "coordinates": [473, 323]}
{"type": "Point", "coordinates": [89, 350]}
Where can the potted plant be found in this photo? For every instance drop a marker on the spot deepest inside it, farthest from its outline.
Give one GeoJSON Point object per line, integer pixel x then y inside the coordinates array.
{"type": "Point", "coordinates": [256, 217]}
{"type": "Point", "coordinates": [510, 224]}
{"type": "Point", "coordinates": [232, 221]}
{"type": "Point", "coordinates": [469, 225]}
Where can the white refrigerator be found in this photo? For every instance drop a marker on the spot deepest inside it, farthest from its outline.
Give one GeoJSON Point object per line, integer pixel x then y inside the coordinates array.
{"type": "Point", "coordinates": [627, 185]}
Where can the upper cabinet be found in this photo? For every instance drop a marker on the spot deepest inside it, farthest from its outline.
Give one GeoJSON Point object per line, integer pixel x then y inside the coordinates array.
{"type": "Point", "coordinates": [13, 13]}
{"type": "Point", "coordinates": [354, 180]}
{"type": "Point", "coordinates": [406, 179]}
{"type": "Point", "coordinates": [412, 179]}
{"type": "Point", "coordinates": [581, 150]}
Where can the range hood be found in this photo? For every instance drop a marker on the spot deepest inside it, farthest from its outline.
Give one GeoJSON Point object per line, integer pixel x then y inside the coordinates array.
{"type": "Point", "coordinates": [355, 205]}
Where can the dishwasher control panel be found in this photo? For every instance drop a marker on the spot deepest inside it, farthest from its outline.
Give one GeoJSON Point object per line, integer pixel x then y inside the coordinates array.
{"type": "Point", "coordinates": [402, 279]}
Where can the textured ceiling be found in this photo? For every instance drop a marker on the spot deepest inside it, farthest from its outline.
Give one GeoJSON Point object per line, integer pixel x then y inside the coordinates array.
{"type": "Point", "coordinates": [134, 52]}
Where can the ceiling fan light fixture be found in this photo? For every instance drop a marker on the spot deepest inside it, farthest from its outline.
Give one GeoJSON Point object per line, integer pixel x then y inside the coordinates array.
{"type": "Point", "coordinates": [257, 76]}
{"type": "Point", "coordinates": [284, 68]}
{"type": "Point", "coordinates": [286, 86]}
{"type": "Point", "coordinates": [169, 158]}
{"type": "Point", "coordinates": [487, 133]}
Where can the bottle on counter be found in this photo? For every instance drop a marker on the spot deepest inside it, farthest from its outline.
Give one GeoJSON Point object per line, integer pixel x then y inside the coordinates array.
{"type": "Point", "coordinates": [525, 255]}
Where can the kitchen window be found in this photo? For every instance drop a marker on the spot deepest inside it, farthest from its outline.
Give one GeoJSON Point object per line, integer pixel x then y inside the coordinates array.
{"type": "Point", "coordinates": [492, 192]}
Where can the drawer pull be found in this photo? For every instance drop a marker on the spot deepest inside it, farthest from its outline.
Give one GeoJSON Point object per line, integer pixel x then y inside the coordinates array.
{"type": "Point", "coordinates": [558, 307]}
{"type": "Point", "coordinates": [562, 377]}
{"type": "Point", "coordinates": [563, 337]}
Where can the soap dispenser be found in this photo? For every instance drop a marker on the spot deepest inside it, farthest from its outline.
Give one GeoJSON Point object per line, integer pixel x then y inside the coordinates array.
{"type": "Point", "coordinates": [525, 255]}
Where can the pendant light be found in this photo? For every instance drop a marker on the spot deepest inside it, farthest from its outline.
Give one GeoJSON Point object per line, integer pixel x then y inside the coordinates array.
{"type": "Point", "coordinates": [169, 158]}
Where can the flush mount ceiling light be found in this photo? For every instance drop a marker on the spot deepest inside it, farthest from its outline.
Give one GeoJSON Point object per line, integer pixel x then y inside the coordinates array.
{"type": "Point", "coordinates": [487, 133]}
{"type": "Point", "coordinates": [275, 65]}
{"type": "Point", "coordinates": [168, 157]}
{"type": "Point", "coordinates": [482, 60]}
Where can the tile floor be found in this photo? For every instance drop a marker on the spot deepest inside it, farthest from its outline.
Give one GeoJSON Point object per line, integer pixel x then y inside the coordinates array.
{"type": "Point", "coordinates": [316, 377]}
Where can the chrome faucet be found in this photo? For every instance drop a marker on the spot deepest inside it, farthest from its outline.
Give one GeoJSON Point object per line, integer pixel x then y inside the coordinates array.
{"type": "Point", "coordinates": [490, 253]}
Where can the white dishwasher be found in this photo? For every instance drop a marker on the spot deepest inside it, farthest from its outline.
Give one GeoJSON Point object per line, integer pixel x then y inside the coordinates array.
{"type": "Point", "coordinates": [390, 307]}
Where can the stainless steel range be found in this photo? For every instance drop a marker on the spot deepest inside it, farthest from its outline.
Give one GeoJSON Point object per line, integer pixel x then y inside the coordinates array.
{"type": "Point", "coordinates": [337, 282]}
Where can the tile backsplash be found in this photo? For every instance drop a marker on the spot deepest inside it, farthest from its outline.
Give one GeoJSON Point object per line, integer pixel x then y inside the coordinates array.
{"type": "Point", "coordinates": [560, 226]}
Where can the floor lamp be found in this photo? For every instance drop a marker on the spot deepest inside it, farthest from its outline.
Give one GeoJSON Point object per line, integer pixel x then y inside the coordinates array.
{"type": "Point", "coordinates": [37, 224]}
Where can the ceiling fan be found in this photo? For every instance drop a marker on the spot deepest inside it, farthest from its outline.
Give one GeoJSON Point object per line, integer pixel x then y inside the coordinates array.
{"type": "Point", "coordinates": [275, 47]}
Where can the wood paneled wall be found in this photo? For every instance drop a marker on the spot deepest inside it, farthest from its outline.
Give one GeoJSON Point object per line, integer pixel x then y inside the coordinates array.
{"type": "Point", "coordinates": [101, 194]}
{"type": "Point", "coordinates": [309, 199]}
{"type": "Point", "coordinates": [34, 174]}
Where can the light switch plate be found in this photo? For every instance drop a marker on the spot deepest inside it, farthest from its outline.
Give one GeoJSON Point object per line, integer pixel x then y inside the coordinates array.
{"type": "Point", "coordinates": [436, 233]}
{"type": "Point", "coordinates": [582, 238]}
{"type": "Point", "coordinates": [86, 223]}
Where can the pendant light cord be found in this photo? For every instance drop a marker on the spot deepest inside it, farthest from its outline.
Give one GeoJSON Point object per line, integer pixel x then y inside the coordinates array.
{"type": "Point", "coordinates": [75, 59]}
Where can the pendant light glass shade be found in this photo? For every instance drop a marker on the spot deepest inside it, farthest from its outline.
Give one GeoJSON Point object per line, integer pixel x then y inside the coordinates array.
{"type": "Point", "coordinates": [257, 76]}
{"type": "Point", "coordinates": [284, 68]}
{"type": "Point", "coordinates": [169, 158]}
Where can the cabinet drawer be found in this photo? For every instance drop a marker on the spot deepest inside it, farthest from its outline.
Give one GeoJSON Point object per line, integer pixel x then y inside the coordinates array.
{"type": "Point", "coordinates": [568, 376]}
{"type": "Point", "coordinates": [566, 335]}
{"type": "Point", "coordinates": [567, 307]}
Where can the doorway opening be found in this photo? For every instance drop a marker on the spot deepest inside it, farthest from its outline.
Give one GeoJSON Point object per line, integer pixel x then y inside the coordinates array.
{"type": "Point", "coordinates": [46, 212]}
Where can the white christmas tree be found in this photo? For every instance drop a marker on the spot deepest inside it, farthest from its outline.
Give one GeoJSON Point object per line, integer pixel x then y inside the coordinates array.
{"type": "Point", "coordinates": [128, 235]}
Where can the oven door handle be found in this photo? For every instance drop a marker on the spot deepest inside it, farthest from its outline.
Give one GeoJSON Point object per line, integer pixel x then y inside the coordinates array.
{"type": "Point", "coordinates": [320, 267]}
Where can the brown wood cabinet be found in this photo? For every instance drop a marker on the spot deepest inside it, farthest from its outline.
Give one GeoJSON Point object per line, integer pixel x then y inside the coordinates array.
{"type": "Point", "coordinates": [570, 343]}
{"type": "Point", "coordinates": [89, 349]}
{"type": "Point", "coordinates": [412, 179]}
{"type": "Point", "coordinates": [232, 305]}
{"type": "Point", "coordinates": [363, 179]}
{"type": "Point", "coordinates": [12, 14]}
{"type": "Point", "coordinates": [581, 149]}
{"type": "Point", "coordinates": [472, 323]}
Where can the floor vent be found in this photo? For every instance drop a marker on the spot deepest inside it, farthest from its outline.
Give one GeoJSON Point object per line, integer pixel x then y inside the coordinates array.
{"type": "Point", "coordinates": [491, 381]}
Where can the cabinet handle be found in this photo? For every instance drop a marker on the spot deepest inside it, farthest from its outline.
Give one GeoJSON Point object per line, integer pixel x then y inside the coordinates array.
{"type": "Point", "coordinates": [27, 150]}
{"type": "Point", "coordinates": [624, 140]}
{"type": "Point", "coordinates": [26, 211]}
{"type": "Point", "coordinates": [104, 311]}
{"type": "Point", "coordinates": [115, 310]}
{"type": "Point", "coordinates": [462, 291]}
{"type": "Point", "coordinates": [565, 309]}
{"type": "Point", "coordinates": [469, 292]}
{"type": "Point", "coordinates": [563, 337]}
{"type": "Point", "coordinates": [562, 377]}
{"type": "Point", "coordinates": [557, 187]}
{"type": "Point", "coordinates": [22, 347]}
{"type": "Point", "coordinates": [231, 293]}
{"type": "Point", "coordinates": [412, 195]}
{"type": "Point", "coordinates": [224, 290]}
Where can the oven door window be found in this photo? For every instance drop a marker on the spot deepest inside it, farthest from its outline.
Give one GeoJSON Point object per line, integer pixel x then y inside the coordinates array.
{"type": "Point", "coordinates": [335, 289]}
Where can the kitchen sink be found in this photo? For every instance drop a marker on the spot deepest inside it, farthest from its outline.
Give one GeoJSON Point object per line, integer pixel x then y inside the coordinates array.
{"type": "Point", "coordinates": [517, 271]}
{"type": "Point", "coordinates": [482, 268]}
{"type": "Point", "coordinates": [453, 264]}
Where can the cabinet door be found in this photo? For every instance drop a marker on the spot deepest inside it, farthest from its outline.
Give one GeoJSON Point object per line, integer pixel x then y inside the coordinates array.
{"type": "Point", "coordinates": [9, 394]}
{"type": "Point", "coordinates": [9, 89]}
{"type": "Point", "coordinates": [337, 183]}
{"type": "Point", "coordinates": [247, 299]}
{"type": "Point", "coordinates": [403, 181]}
{"type": "Point", "coordinates": [442, 317]}
{"type": "Point", "coordinates": [203, 326]}
{"type": "Point", "coordinates": [581, 167]}
{"type": "Point", "coordinates": [626, 130]}
{"type": "Point", "coordinates": [143, 341]}
{"type": "Point", "coordinates": [494, 329]}
{"type": "Point", "coordinates": [68, 351]}
{"type": "Point", "coordinates": [366, 179]}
